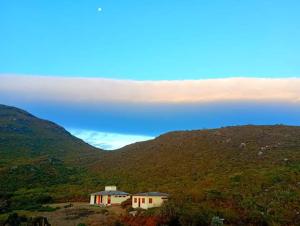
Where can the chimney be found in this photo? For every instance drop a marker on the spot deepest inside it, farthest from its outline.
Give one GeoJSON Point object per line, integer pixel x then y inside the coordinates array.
{"type": "Point", "coordinates": [110, 188]}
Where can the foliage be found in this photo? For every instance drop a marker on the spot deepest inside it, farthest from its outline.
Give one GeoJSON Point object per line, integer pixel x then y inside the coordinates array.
{"type": "Point", "coordinates": [14, 219]}
{"type": "Point", "coordinates": [216, 221]}
{"type": "Point", "coordinates": [206, 172]}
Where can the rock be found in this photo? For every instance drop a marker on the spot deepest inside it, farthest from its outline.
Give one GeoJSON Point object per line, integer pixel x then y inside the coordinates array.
{"type": "Point", "coordinates": [260, 153]}
{"type": "Point", "coordinates": [228, 140]}
{"type": "Point", "coordinates": [242, 145]}
{"type": "Point", "coordinates": [218, 133]}
{"type": "Point", "coordinates": [133, 213]}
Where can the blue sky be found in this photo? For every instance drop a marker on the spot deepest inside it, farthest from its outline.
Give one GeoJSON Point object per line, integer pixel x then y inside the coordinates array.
{"type": "Point", "coordinates": [155, 56]}
{"type": "Point", "coordinates": [151, 39]}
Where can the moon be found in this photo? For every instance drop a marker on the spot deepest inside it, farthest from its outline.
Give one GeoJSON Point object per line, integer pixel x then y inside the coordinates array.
{"type": "Point", "coordinates": [99, 9]}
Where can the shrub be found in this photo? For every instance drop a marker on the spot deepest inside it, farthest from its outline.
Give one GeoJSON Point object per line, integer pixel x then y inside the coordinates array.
{"type": "Point", "coordinates": [43, 199]}
{"type": "Point", "coordinates": [104, 211]}
{"type": "Point", "coordinates": [216, 221]}
{"type": "Point", "coordinates": [214, 194]}
{"type": "Point", "coordinates": [126, 204]}
{"type": "Point", "coordinates": [47, 209]}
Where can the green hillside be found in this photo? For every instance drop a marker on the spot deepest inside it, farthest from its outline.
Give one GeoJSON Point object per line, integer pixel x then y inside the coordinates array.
{"type": "Point", "coordinates": [38, 157]}
{"type": "Point", "coordinates": [249, 175]}
{"type": "Point", "coordinates": [245, 174]}
{"type": "Point", "coordinates": [24, 136]}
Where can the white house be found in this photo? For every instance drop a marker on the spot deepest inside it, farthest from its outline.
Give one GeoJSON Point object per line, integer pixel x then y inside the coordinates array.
{"type": "Point", "coordinates": [148, 200]}
{"type": "Point", "coordinates": [110, 196]}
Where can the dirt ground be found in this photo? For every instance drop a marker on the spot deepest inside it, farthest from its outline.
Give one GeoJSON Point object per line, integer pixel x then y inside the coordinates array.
{"type": "Point", "coordinates": [71, 214]}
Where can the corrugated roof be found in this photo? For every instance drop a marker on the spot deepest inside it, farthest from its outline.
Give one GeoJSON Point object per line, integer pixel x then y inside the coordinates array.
{"type": "Point", "coordinates": [110, 193]}
{"type": "Point", "coordinates": [151, 194]}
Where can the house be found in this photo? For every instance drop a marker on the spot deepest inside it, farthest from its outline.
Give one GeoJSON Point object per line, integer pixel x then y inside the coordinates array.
{"type": "Point", "coordinates": [110, 196]}
{"type": "Point", "coordinates": [148, 199]}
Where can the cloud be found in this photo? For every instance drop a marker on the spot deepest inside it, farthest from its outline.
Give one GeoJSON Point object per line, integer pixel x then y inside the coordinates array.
{"type": "Point", "coordinates": [122, 107]}
{"type": "Point", "coordinates": [100, 90]}
{"type": "Point", "coordinates": [106, 140]}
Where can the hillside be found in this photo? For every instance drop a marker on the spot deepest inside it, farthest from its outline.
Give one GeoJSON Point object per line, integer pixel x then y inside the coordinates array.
{"type": "Point", "coordinates": [192, 155]}
{"type": "Point", "coordinates": [247, 173]}
{"type": "Point", "coordinates": [38, 154]}
{"type": "Point", "coordinates": [250, 175]}
{"type": "Point", "coordinates": [23, 135]}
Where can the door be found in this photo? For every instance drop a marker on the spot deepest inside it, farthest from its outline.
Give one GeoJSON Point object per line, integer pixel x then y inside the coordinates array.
{"type": "Point", "coordinates": [139, 202]}
{"type": "Point", "coordinates": [108, 199]}
{"type": "Point", "coordinates": [98, 199]}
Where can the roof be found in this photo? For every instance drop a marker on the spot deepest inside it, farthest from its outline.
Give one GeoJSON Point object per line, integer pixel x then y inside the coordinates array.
{"type": "Point", "coordinates": [151, 194]}
{"type": "Point", "coordinates": [110, 193]}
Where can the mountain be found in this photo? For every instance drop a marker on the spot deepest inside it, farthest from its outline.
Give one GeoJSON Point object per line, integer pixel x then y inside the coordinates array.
{"type": "Point", "coordinates": [38, 153]}
{"type": "Point", "coordinates": [250, 175]}
{"type": "Point", "coordinates": [23, 135]}
{"type": "Point", "coordinates": [193, 157]}
{"type": "Point", "coordinates": [246, 174]}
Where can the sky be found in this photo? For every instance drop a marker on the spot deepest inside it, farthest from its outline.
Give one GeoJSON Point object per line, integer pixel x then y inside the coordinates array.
{"type": "Point", "coordinates": [136, 69]}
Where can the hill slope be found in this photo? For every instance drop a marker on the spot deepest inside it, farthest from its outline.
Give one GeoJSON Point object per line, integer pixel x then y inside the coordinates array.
{"type": "Point", "coordinates": [193, 155]}
{"type": "Point", "coordinates": [23, 135]}
{"type": "Point", "coordinates": [245, 174]}
{"type": "Point", "coordinates": [249, 175]}
{"type": "Point", "coordinates": [36, 153]}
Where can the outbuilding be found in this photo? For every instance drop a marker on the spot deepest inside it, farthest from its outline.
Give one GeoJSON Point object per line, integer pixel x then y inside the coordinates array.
{"type": "Point", "coordinates": [149, 199]}
{"type": "Point", "coordinates": [110, 196]}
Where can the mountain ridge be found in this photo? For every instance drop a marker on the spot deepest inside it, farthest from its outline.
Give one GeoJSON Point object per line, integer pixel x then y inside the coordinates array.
{"type": "Point", "coordinates": [242, 173]}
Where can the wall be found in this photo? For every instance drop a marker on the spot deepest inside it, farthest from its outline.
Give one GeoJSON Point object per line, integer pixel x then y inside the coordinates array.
{"type": "Point", "coordinates": [92, 199]}
{"type": "Point", "coordinates": [114, 199]}
{"type": "Point", "coordinates": [119, 200]}
{"type": "Point", "coordinates": [156, 202]}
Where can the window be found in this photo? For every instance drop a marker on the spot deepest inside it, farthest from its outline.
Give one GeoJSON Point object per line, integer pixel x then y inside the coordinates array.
{"type": "Point", "coordinates": [143, 200]}
{"type": "Point", "coordinates": [135, 200]}
{"type": "Point", "coordinates": [150, 200]}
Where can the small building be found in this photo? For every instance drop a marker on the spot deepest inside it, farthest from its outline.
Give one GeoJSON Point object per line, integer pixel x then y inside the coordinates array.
{"type": "Point", "coordinates": [110, 196]}
{"type": "Point", "coordinates": [148, 200]}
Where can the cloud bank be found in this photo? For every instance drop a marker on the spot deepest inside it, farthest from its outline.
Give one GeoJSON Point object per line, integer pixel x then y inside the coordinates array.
{"type": "Point", "coordinates": [106, 112]}
{"type": "Point", "coordinates": [95, 90]}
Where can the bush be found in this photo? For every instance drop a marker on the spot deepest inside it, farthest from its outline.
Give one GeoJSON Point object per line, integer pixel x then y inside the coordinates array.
{"type": "Point", "coordinates": [29, 201]}
{"type": "Point", "coordinates": [68, 205]}
{"type": "Point", "coordinates": [127, 203]}
{"type": "Point", "coordinates": [43, 199]}
{"type": "Point", "coordinates": [104, 211]}
{"type": "Point", "coordinates": [216, 221]}
{"type": "Point", "coordinates": [81, 224]}
{"type": "Point", "coordinates": [47, 209]}
{"type": "Point", "coordinates": [15, 220]}
{"type": "Point", "coordinates": [5, 202]}
{"type": "Point", "coordinates": [214, 194]}
{"type": "Point", "coordinates": [184, 213]}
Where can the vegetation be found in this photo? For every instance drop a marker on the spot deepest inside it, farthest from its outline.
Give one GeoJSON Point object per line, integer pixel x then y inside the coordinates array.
{"type": "Point", "coordinates": [15, 220]}
{"type": "Point", "coordinates": [246, 175]}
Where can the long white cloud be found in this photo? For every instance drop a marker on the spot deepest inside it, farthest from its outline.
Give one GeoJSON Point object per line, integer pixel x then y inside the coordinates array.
{"type": "Point", "coordinates": [93, 90]}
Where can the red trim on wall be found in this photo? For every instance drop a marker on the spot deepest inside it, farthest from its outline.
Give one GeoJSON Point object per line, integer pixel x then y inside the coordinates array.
{"type": "Point", "coordinates": [108, 199]}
